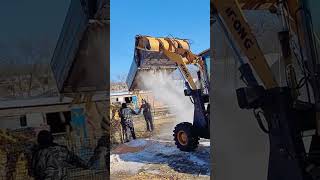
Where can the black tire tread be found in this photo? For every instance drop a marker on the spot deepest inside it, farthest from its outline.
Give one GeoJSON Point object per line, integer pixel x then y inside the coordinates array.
{"type": "Point", "coordinates": [193, 141]}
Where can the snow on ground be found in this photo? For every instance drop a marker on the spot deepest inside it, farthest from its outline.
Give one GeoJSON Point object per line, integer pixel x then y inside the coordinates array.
{"type": "Point", "coordinates": [120, 166]}
{"type": "Point", "coordinates": [205, 143]}
{"type": "Point", "coordinates": [137, 143]}
{"type": "Point", "coordinates": [155, 152]}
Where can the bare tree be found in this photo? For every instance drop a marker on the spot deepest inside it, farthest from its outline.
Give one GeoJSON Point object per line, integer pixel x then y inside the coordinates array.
{"type": "Point", "coordinates": [119, 84]}
{"type": "Point", "coordinates": [121, 78]}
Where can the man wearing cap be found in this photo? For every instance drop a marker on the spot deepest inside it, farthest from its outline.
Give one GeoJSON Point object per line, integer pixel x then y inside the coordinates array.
{"type": "Point", "coordinates": [146, 110]}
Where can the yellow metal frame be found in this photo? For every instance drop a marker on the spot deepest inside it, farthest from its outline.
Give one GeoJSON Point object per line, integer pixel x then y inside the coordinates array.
{"type": "Point", "coordinates": [182, 67]}
{"type": "Point", "coordinates": [231, 13]}
{"type": "Point", "coordinates": [177, 50]}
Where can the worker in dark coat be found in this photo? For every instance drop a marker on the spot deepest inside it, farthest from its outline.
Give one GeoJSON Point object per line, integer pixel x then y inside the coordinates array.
{"type": "Point", "coordinates": [146, 109]}
{"type": "Point", "coordinates": [127, 122]}
{"type": "Point", "coordinates": [50, 160]}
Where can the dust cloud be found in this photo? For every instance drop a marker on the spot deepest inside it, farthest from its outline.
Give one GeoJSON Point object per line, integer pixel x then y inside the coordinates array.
{"type": "Point", "coordinates": [170, 92]}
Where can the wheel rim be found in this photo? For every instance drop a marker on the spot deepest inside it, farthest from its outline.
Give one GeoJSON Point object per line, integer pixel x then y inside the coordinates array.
{"type": "Point", "coordinates": [182, 138]}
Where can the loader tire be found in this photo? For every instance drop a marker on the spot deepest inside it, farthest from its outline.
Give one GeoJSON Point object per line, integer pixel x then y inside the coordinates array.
{"type": "Point", "coordinates": [184, 139]}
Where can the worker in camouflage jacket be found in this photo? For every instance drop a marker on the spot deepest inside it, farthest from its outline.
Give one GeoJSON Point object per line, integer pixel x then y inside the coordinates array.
{"type": "Point", "coordinates": [126, 122]}
{"type": "Point", "coordinates": [50, 160]}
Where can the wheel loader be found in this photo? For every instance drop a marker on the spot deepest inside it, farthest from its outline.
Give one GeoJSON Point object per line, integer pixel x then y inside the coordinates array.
{"type": "Point", "coordinates": [166, 55]}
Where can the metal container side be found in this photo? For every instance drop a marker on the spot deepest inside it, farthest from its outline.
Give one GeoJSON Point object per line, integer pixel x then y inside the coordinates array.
{"type": "Point", "coordinates": [89, 71]}
{"type": "Point", "coordinates": [144, 61]}
{"type": "Point", "coordinates": [68, 43]}
{"type": "Point", "coordinates": [132, 74]}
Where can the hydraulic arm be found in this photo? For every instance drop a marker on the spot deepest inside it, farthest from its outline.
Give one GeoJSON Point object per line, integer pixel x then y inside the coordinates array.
{"type": "Point", "coordinates": [286, 116]}
{"type": "Point", "coordinates": [176, 51]}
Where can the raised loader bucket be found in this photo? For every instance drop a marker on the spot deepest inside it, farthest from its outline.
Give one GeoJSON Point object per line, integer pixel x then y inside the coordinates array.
{"type": "Point", "coordinates": [147, 57]}
{"type": "Point", "coordinates": [79, 62]}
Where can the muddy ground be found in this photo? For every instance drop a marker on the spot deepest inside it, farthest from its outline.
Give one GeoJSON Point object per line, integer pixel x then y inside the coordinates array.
{"type": "Point", "coordinates": [155, 156]}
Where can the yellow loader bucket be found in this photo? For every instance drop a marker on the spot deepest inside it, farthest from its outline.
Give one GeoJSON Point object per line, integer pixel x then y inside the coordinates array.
{"type": "Point", "coordinates": [148, 57]}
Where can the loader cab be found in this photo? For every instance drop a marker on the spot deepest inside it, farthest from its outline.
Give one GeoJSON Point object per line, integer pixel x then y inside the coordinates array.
{"type": "Point", "coordinates": [186, 134]}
